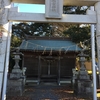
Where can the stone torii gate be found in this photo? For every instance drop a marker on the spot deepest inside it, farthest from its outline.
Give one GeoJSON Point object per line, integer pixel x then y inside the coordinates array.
{"type": "Point", "coordinates": [53, 13]}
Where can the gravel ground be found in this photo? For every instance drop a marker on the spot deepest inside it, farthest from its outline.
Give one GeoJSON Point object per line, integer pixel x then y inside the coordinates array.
{"type": "Point", "coordinates": [49, 92]}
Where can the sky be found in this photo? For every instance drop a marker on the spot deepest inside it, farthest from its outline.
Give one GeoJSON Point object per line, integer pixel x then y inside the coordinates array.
{"type": "Point", "coordinates": [30, 8]}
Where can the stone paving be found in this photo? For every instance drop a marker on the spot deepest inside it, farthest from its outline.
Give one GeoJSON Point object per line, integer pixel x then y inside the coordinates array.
{"type": "Point", "coordinates": [49, 91]}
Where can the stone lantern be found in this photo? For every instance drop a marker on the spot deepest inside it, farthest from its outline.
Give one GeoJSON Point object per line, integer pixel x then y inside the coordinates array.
{"type": "Point", "coordinates": [83, 74]}
{"type": "Point", "coordinates": [16, 81]}
{"type": "Point", "coordinates": [83, 84]}
{"type": "Point", "coordinates": [16, 71]}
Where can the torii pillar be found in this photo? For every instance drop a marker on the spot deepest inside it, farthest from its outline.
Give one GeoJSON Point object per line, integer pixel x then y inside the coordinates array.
{"type": "Point", "coordinates": [4, 45]}
{"type": "Point", "coordinates": [97, 9]}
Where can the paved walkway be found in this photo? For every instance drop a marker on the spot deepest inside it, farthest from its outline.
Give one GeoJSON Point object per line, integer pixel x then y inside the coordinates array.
{"type": "Point", "coordinates": [49, 91]}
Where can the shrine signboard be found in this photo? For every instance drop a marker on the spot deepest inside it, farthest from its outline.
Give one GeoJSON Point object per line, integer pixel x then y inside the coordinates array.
{"type": "Point", "coordinates": [53, 8]}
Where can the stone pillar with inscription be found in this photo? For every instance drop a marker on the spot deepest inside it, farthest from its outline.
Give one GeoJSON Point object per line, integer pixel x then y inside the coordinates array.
{"type": "Point", "coordinates": [5, 35]}
{"type": "Point", "coordinates": [97, 9]}
{"type": "Point", "coordinates": [53, 8]}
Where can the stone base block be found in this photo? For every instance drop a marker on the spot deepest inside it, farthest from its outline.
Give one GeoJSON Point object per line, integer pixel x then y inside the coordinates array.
{"type": "Point", "coordinates": [15, 75]}
{"type": "Point", "coordinates": [83, 87]}
{"type": "Point", "coordinates": [15, 87]}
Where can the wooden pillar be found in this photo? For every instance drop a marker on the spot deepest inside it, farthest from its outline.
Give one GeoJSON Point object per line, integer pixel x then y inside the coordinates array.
{"type": "Point", "coordinates": [49, 68]}
{"type": "Point", "coordinates": [59, 70]}
{"type": "Point", "coordinates": [39, 70]}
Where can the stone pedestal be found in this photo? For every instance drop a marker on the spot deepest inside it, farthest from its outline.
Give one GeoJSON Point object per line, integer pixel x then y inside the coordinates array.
{"type": "Point", "coordinates": [16, 74]}
{"type": "Point", "coordinates": [83, 87]}
{"type": "Point", "coordinates": [15, 87]}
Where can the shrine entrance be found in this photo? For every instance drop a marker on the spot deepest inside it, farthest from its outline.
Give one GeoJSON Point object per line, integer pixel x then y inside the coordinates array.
{"type": "Point", "coordinates": [53, 13]}
{"type": "Point", "coordinates": [49, 69]}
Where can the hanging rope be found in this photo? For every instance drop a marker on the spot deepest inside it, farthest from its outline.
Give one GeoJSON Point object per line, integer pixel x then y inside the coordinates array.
{"type": "Point", "coordinates": [60, 51]}
{"type": "Point", "coordinates": [66, 50]}
{"type": "Point", "coordinates": [76, 48]}
{"type": "Point", "coordinates": [50, 52]}
{"type": "Point", "coordinates": [26, 44]}
{"type": "Point", "coordinates": [36, 47]}
{"type": "Point", "coordinates": [44, 50]}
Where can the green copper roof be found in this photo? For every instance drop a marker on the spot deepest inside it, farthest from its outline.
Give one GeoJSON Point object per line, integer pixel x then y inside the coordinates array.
{"type": "Point", "coordinates": [56, 45]}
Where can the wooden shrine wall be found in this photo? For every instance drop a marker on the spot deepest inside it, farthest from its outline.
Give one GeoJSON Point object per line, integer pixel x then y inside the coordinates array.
{"type": "Point", "coordinates": [31, 62]}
